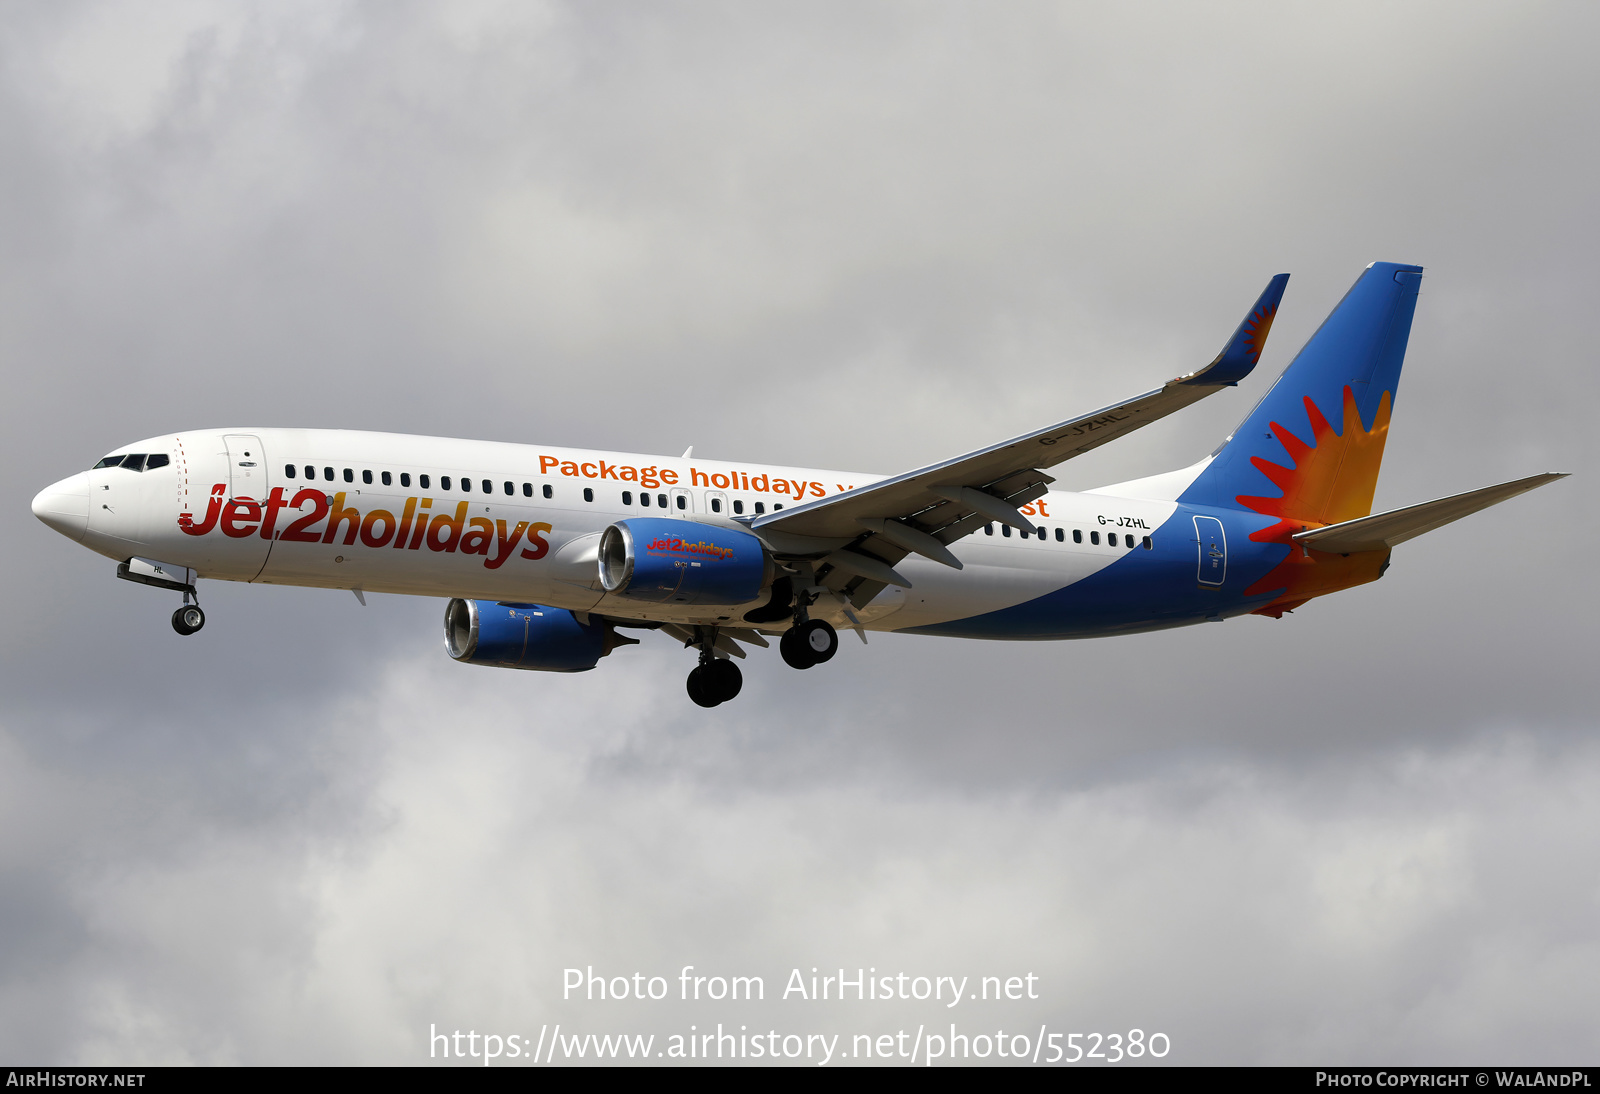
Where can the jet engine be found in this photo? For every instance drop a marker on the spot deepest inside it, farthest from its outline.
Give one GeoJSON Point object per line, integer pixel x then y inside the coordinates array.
{"type": "Point", "coordinates": [525, 636]}
{"type": "Point", "coordinates": [666, 561]}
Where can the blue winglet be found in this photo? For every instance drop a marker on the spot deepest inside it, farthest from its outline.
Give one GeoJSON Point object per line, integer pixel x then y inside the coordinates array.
{"type": "Point", "coordinates": [1243, 350]}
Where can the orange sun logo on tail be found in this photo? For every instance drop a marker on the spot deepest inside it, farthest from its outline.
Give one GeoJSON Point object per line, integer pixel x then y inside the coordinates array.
{"type": "Point", "coordinates": [1333, 479]}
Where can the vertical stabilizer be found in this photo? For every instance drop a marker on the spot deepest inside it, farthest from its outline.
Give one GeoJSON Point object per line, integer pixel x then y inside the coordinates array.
{"type": "Point", "coordinates": [1309, 452]}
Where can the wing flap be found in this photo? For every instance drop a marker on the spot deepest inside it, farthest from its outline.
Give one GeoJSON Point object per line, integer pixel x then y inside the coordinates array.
{"type": "Point", "coordinates": [1385, 530]}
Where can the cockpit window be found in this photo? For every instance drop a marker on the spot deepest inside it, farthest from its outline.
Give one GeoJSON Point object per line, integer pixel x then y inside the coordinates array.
{"type": "Point", "coordinates": [134, 462]}
{"type": "Point", "coordinates": [155, 460]}
{"type": "Point", "coordinates": [110, 461]}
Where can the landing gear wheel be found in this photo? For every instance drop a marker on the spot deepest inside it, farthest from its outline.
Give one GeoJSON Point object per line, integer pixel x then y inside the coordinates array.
{"type": "Point", "coordinates": [698, 690]}
{"type": "Point", "coordinates": [723, 679]}
{"type": "Point", "coordinates": [809, 643]}
{"type": "Point", "coordinates": [819, 638]}
{"type": "Point", "coordinates": [188, 619]}
{"type": "Point", "coordinates": [793, 651]}
{"type": "Point", "coordinates": [715, 682]}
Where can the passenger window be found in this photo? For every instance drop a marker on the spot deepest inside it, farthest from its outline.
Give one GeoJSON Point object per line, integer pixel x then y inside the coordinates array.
{"type": "Point", "coordinates": [349, 475]}
{"type": "Point", "coordinates": [1077, 535]}
{"type": "Point", "coordinates": [1147, 545]}
{"type": "Point", "coordinates": [627, 497]}
{"type": "Point", "coordinates": [760, 508]}
{"type": "Point", "coordinates": [510, 490]}
{"type": "Point", "coordinates": [738, 506]}
{"type": "Point", "coordinates": [1041, 533]}
{"type": "Point", "coordinates": [776, 506]}
{"type": "Point", "coordinates": [1094, 538]}
{"type": "Point", "coordinates": [423, 481]}
{"type": "Point", "coordinates": [488, 487]}
{"type": "Point", "coordinates": [405, 478]}
{"type": "Point", "coordinates": [109, 461]}
{"type": "Point", "coordinates": [444, 482]}
{"type": "Point", "coordinates": [988, 529]}
{"type": "Point", "coordinates": [387, 481]}
{"type": "Point", "coordinates": [288, 470]}
{"type": "Point", "coordinates": [716, 505]}
{"type": "Point", "coordinates": [1005, 530]}
{"type": "Point", "coordinates": [644, 500]}
{"type": "Point", "coordinates": [327, 473]}
{"type": "Point", "coordinates": [1128, 542]}
{"type": "Point", "coordinates": [548, 493]}
{"type": "Point", "coordinates": [683, 502]}
{"type": "Point", "coordinates": [1061, 536]}
{"type": "Point", "coordinates": [311, 472]}
{"type": "Point", "coordinates": [588, 493]}
{"type": "Point", "coordinates": [366, 477]}
{"type": "Point", "coordinates": [661, 500]}
{"type": "Point", "coordinates": [466, 485]}
{"type": "Point", "coordinates": [527, 489]}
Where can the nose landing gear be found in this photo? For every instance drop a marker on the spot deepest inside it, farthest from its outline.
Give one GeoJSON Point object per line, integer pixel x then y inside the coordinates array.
{"type": "Point", "coordinates": [188, 619]}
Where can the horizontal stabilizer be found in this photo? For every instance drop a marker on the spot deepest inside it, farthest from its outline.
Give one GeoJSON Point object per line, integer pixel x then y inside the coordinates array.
{"type": "Point", "coordinates": [1385, 530]}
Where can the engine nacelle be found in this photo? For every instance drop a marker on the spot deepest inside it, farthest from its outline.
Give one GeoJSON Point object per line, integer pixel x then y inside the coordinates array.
{"type": "Point", "coordinates": [666, 561]}
{"type": "Point", "coordinates": [523, 636]}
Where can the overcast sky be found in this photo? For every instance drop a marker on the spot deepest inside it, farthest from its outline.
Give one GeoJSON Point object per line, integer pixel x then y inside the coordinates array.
{"type": "Point", "coordinates": [854, 235]}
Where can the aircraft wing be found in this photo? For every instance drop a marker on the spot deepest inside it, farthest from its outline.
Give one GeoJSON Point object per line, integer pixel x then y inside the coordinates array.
{"type": "Point", "coordinates": [1385, 530]}
{"type": "Point", "coordinates": [925, 509]}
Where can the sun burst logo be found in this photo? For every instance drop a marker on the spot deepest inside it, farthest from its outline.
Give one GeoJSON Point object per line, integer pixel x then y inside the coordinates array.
{"type": "Point", "coordinates": [1331, 479]}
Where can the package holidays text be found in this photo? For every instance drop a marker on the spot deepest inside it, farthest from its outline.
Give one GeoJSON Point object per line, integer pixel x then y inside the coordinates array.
{"type": "Point", "coordinates": [760, 482]}
{"type": "Point", "coordinates": [652, 477]}
{"type": "Point", "coordinates": [864, 985]}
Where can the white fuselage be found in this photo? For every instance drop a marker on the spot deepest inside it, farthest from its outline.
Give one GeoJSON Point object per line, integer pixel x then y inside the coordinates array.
{"type": "Point", "coordinates": [432, 516]}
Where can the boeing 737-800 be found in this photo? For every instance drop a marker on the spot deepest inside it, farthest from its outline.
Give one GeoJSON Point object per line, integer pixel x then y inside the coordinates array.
{"type": "Point", "coordinates": [548, 555]}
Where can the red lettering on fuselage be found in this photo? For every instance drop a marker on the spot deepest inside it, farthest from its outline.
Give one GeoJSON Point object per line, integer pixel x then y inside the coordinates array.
{"type": "Point", "coordinates": [213, 511]}
{"type": "Point", "coordinates": [240, 509]}
{"type": "Point", "coordinates": [537, 546]}
{"type": "Point", "coordinates": [296, 532]}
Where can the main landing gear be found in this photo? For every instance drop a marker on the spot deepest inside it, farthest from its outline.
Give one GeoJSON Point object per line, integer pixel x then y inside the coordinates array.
{"type": "Point", "coordinates": [715, 679]}
{"type": "Point", "coordinates": [809, 643]}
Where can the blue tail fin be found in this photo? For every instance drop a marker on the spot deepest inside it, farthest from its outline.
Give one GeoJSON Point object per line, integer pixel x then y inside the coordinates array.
{"type": "Point", "coordinates": [1316, 438]}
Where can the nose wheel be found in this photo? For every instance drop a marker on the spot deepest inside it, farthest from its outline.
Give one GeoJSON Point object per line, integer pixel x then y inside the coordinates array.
{"type": "Point", "coordinates": [188, 619]}
{"type": "Point", "coordinates": [809, 643]}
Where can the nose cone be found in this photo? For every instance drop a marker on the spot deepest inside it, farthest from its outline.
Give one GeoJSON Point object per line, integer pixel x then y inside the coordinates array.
{"type": "Point", "coordinates": [65, 506]}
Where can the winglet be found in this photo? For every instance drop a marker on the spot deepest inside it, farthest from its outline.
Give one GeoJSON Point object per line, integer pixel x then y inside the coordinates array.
{"type": "Point", "coordinates": [1243, 350]}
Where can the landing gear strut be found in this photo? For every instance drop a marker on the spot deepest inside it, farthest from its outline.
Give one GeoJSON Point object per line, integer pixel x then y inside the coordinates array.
{"type": "Point", "coordinates": [714, 680]}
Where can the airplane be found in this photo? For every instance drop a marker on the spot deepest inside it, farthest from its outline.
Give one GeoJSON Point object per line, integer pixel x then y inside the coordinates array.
{"type": "Point", "coordinates": [548, 555]}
